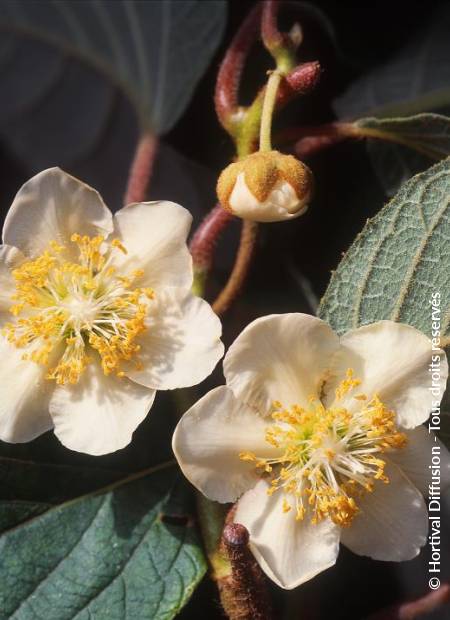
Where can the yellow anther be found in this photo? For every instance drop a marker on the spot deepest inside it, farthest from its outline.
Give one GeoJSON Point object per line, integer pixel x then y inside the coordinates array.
{"type": "Point", "coordinates": [117, 244]}
{"type": "Point", "coordinates": [360, 397]}
{"type": "Point", "coordinates": [74, 306]}
{"type": "Point", "coordinates": [247, 456]}
{"type": "Point", "coordinates": [286, 505]}
{"type": "Point", "coordinates": [328, 458]}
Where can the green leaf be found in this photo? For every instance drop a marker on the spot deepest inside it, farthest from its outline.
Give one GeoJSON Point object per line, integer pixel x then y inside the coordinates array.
{"type": "Point", "coordinates": [429, 134]}
{"type": "Point", "coordinates": [416, 80]}
{"type": "Point", "coordinates": [154, 52]}
{"type": "Point", "coordinates": [28, 489]}
{"type": "Point", "coordinates": [13, 512]}
{"type": "Point", "coordinates": [50, 484]}
{"type": "Point", "coordinates": [402, 147]}
{"type": "Point", "coordinates": [128, 552]}
{"type": "Point", "coordinates": [399, 259]}
{"type": "Point", "coordinates": [63, 64]}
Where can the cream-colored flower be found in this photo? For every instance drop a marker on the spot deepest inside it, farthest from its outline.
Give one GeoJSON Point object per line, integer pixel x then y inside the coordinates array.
{"type": "Point", "coordinates": [266, 187]}
{"type": "Point", "coordinates": [96, 314]}
{"type": "Point", "coordinates": [322, 438]}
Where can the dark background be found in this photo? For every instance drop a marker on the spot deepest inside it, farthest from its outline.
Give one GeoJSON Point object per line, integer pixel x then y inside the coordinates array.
{"type": "Point", "coordinates": [368, 34]}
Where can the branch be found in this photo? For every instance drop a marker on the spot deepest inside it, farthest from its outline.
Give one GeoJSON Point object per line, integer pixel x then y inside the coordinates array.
{"type": "Point", "coordinates": [243, 593]}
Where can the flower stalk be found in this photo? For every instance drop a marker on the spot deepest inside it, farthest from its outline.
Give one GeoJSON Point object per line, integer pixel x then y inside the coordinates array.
{"type": "Point", "coordinates": [242, 590]}
{"type": "Point", "coordinates": [240, 270]}
{"type": "Point", "coordinates": [270, 95]}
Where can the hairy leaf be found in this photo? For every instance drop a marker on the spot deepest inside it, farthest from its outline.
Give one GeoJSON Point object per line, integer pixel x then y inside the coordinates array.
{"type": "Point", "coordinates": [125, 553]}
{"type": "Point", "coordinates": [405, 146]}
{"type": "Point", "coordinates": [399, 259]}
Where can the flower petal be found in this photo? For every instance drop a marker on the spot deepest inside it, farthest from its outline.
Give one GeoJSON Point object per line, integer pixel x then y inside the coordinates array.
{"type": "Point", "coordinates": [10, 258]}
{"type": "Point", "coordinates": [99, 414]}
{"type": "Point", "coordinates": [181, 345]}
{"type": "Point", "coordinates": [280, 357]}
{"type": "Point", "coordinates": [393, 522]}
{"type": "Point", "coordinates": [416, 457]}
{"type": "Point", "coordinates": [154, 234]}
{"type": "Point", "coordinates": [392, 360]}
{"type": "Point", "coordinates": [208, 440]}
{"type": "Point", "coordinates": [290, 552]}
{"type": "Point", "coordinates": [24, 396]}
{"type": "Point", "coordinates": [52, 206]}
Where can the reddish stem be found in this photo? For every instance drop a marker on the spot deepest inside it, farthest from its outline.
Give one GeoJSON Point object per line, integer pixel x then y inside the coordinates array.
{"type": "Point", "coordinates": [141, 168]}
{"type": "Point", "coordinates": [415, 609]}
{"type": "Point", "coordinates": [206, 236]}
{"type": "Point", "coordinates": [230, 72]}
{"type": "Point", "coordinates": [272, 38]}
{"type": "Point", "coordinates": [310, 140]}
{"type": "Point", "coordinates": [240, 269]}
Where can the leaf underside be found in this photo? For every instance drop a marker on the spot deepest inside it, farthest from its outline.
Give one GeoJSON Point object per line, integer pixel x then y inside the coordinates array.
{"type": "Point", "coordinates": [399, 259]}
{"type": "Point", "coordinates": [406, 146]}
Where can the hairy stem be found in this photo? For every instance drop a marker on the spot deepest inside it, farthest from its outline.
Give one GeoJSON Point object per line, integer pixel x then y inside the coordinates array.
{"type": "Point", "coordinates": [203, 245]}
{"type": "Point", "coordinates": [244, 593]}
{"type": "Point", "coordinates": [278, 44]}
{"type": "Point", "coordinates": [141, 168]}
{"type": "Point", "coordinates": [240, 270]}
{"type": "Point", "coordinates": [230, 72]}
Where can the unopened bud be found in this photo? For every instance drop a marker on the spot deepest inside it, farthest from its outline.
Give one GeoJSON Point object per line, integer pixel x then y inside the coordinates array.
{"type": "Point", "coordinates": [296, 35]}
{"type": "Point", "coordinates": [266, 187]}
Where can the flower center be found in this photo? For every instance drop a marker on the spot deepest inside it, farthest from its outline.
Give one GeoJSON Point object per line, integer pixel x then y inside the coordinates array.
{"type": "Point", "coordinates": [329, 457]}
{"type": "Point", "coordinates": [67, 309]}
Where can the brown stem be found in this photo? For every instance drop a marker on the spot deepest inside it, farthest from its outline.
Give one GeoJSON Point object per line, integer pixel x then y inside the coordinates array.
{"type": "Point", "coordinates": [230, 72]}
{"type": "Point", "coordinates": [141, 168]}
{"type": "Point", "coordinates": [240, 269]}
{"type": "Point", "coordinates": [244, 593]}
{"type": "Point", "coordinates": [415, 609]}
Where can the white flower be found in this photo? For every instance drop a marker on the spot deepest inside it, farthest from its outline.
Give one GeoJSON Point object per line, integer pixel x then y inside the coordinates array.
{"type": "Point", "coordinates": [322, 438]}
{"type": "Point", "coordinates": [96, 314]}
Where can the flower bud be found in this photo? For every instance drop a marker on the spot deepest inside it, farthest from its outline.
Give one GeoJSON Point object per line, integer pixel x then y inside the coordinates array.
{"type": "Point", "coordinates": [266, 187]}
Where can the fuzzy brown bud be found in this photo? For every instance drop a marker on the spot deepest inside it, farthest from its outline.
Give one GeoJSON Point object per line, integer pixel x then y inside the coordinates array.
{"type": "Point", "coordinates": [266, 187]}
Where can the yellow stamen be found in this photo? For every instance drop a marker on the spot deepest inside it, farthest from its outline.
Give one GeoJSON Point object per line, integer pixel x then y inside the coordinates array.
{"type": "Point", "coordinates": [328, 457]}
{"type": "Point", "coordinates": [64, 309]}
